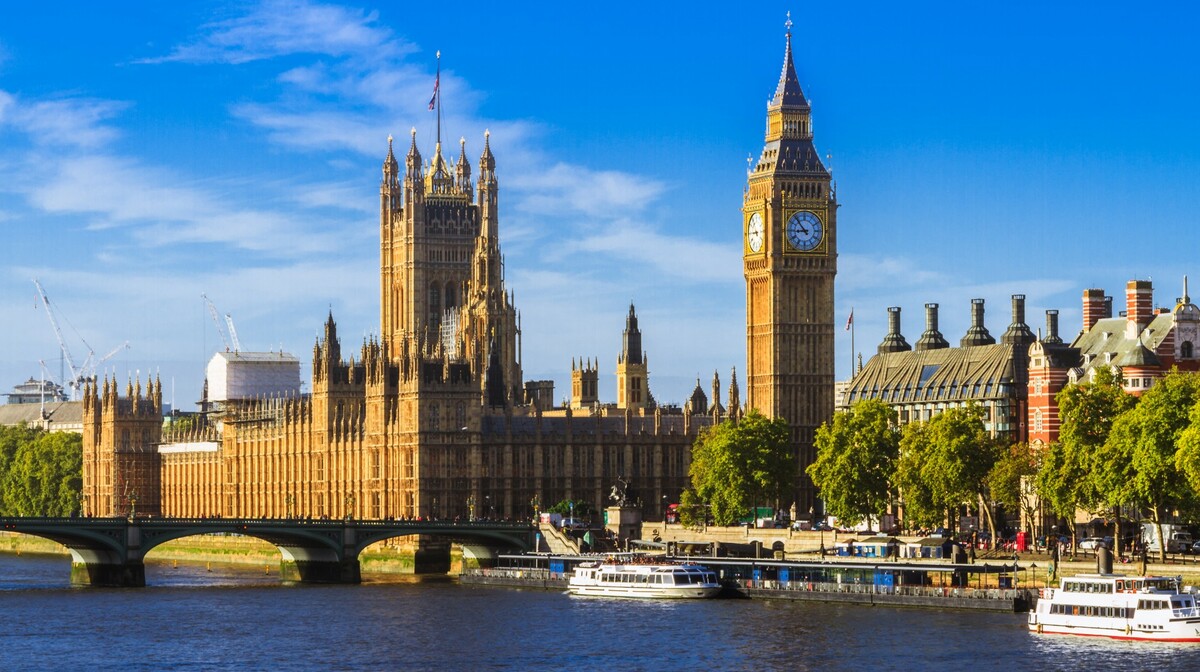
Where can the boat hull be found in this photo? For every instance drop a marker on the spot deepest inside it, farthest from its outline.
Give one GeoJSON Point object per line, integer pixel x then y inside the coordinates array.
{"type": "Point", "coordinates": [655, 593]}
{"type": "Point", "coordinates": [1189, 633]}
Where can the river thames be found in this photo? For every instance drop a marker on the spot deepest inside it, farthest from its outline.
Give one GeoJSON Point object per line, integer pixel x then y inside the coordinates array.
{"type": "Point", "coordinates": [191, 618]}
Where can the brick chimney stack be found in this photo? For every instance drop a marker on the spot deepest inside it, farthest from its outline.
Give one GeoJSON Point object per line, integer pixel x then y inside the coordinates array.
{"type": "Point", "coordinates": [1093, 307]}
{"type": "Point", "coordinates": [1139, 306]}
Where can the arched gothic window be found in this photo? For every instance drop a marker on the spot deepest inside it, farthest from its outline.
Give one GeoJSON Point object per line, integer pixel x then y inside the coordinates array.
{"type": "Point", "coordinates": [435, 304]}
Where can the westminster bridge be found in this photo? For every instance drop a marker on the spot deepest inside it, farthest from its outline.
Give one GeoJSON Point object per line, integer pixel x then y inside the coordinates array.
{"type": "Point", "coordinates": [112, 551]}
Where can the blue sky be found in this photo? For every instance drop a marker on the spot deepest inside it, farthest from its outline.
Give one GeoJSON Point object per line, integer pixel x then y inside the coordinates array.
{"type": "Point", "coordinates": [151, 152]}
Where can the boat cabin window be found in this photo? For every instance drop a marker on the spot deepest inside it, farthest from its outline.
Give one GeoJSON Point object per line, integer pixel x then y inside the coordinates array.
{"type": "Point", "coordinates": [1088, 587]}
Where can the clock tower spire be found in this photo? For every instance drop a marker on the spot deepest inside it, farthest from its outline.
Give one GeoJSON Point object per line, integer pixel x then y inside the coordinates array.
{"type": "Point", "coordinates": [789, 226]}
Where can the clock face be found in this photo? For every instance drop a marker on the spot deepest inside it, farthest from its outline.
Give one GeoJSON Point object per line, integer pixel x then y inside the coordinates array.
{"type": "Point", "coordinates": [754, 233]}
{"type": "Point", "coordinates": [804, 231]}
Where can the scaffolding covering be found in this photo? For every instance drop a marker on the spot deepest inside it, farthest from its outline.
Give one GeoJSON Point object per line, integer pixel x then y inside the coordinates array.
{"type": "Point", "coordinates": [235, 376]}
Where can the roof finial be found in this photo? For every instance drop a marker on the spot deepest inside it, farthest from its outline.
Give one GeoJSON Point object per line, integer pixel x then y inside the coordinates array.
{"type": "Point", "coordinates": [788, 23]}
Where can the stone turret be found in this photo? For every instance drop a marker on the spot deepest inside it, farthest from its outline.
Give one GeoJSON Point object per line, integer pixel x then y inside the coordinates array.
{"type": "Point", "coordinates": [1018, 334]}
{"type": "Point", "coordinates": [977, 334]}
{"type": "Point", "coordinates": [894, 340]}
{"type": "Point", "coordinates": [1052, 337]}
{"type": "Point", "coordinates": [932, 339]}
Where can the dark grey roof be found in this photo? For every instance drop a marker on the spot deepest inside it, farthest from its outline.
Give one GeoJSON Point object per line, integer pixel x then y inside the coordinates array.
{"type": "Point", "coordinates": [59, 414]}
{"type": "Point", "coordinates": [788, 92]}
{"type": "Point", "coordinates": [1106, 343]}
{"type": "Point", "coordinates": [1139, 355]}
{"type": "Point", "coordinates": [945, 374]}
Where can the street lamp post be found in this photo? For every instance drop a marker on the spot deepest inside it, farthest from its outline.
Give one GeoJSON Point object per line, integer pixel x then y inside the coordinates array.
{"type": "Point", "coordinates": [487, 502]}
{"type": "Point", "coordinates": [665, 505]}
{"type": "Point", "coordinates": [289, 500]}
{"type": "Point", "coordinates": [471, 508]}
{"type": "Point", "coordinates": [349, 506]}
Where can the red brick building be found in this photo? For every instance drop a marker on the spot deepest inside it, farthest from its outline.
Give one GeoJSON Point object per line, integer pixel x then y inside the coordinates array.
{"type": "Point", "coordinates": [1141, 344]}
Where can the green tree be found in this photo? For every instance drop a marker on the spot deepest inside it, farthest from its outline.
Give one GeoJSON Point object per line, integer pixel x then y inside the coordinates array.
{"type": "Point", "coordinates": [1083, 469]}
{"type": "Point", "coordinates": [41, 473]}
{"type": "Point", "coordinates": [737, 464]}
{"type": "Point", "coordinates": [582, 508]}
{"type": "Point", "coordinates": [1187, 459]}
{"type": "Point", "coordinates": [943, 464]}
{"type": "Point", "coordinates": [856, 459]}
{"type": "Point", "coordinates": [1147, 435]}
{"type": "Point", "coordinates": [1016, 464]}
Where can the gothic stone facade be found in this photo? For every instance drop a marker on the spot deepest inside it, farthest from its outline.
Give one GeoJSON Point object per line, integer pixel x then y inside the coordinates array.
{"type": "Point", "coordinates": [434, 419]}
{"type": "Point", "coordinates": [789, 262]}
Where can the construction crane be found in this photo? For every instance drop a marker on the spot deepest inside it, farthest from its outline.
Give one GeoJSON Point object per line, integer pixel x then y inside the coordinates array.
{"type": "Point", "coordinates": [237, 345]}
{"type": "Point", "coordinates": [114, 353]}
{"type": "Point", "coordinates": [231, 342]}
{"type": "Point", "coordinates": [76, 372]}
{"type": "Point", "coordinates": [80, 373]}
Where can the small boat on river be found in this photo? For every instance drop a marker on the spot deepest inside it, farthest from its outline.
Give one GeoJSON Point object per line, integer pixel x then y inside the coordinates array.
{"type": "Point", "coordinates": [644, 580]}
{"type": "Point", "coordinates": [1149, 608]}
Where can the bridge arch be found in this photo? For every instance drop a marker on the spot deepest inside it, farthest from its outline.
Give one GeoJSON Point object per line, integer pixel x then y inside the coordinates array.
{"type": "Point", "coordinates": [112, 551]}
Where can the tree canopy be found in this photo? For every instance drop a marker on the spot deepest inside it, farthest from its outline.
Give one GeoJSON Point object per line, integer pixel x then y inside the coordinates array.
{"type": "Point", "coordinates": [582, 508]}
{"type": "Point", "coordinates": [856, 459]}
{"type": "Point", "coordinates": [1147, 436]}
{"type": "Point", "coordinates": [1084, 470]}
{"type": "Point", "coordinates": [1015, 463]}
{"type": "Point", "coordinates": [943, 463]}
{"type": "Point", "coordinates": [41, 473]}
{"type": "Point", "coordinates": [739, 463]}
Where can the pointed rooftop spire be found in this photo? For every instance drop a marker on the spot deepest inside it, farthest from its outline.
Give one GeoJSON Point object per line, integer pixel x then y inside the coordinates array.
{"type": "Point", "coordinates": [788, 92]}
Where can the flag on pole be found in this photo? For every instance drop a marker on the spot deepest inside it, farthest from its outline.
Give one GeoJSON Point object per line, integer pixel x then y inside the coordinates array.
{"type": "Point", "coordinates": [850, 320]}
{"type": "Point", "coordinates": [436, 82]}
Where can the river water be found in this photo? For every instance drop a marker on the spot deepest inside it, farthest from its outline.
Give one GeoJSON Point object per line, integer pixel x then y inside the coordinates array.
{"type": "Point", "coordinates": [190, 618]}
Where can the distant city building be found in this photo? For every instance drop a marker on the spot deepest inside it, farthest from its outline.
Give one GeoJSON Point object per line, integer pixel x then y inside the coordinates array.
{"type": "Point", "coordinates": [53, 416]}
{"type": "Point", "coordinates": [35, 392]}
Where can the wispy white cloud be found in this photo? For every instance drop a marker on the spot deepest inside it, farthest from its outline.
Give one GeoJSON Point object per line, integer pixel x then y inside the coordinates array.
{"type": "Point", "coordinates": [164, 210]}
{"type": "Point", "coordinates": [573, 188]}
{"type": "Point", "coordinates": [62, 122]}
{"type": "Point", "coordinates": [648, 251]}
{"type": "Point", "coordinates": [282, 27]}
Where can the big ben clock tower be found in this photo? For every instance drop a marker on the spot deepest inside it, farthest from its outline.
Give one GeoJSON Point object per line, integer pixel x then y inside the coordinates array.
{"type": "Point", "coordinates": [789, 247]}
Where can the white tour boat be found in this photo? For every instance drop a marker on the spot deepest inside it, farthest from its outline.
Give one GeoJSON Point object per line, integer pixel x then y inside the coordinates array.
{"type": "Point", "coordinates": [1151, 608]}
{"type": "Point", "coordinates": [607, 579]}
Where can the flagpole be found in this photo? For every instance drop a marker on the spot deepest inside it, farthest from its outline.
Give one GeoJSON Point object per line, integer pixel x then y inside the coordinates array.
{"type": "Point", "coordinates": [852, 372]}
{"type": "Point", "coordinates": [438, 94]}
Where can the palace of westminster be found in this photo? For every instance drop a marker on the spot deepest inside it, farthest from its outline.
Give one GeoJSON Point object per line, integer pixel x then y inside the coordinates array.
{"type": "Point", "coordinates": [434, 419]}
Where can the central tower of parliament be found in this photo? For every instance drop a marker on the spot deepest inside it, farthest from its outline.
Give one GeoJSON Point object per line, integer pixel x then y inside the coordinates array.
{"type": "Point", "coordinates": [433, 417]}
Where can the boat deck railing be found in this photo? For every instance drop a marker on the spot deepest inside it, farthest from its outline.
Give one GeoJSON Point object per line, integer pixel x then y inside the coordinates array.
{"type": "Point", "coordinates": [872, 589]}
{"type": "Point", "coordinates": [1185, 612]}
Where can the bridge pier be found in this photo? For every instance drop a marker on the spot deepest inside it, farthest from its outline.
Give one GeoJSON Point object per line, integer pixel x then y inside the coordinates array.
{"type": "Point", "coordinates": [317, 565]}
{"type": "Point", "coordinates": [90, 568]}
{"type": "Point", "coordinates": [431, 556]}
